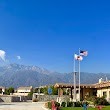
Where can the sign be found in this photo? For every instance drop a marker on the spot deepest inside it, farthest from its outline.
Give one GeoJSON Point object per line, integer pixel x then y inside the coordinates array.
{"type": "Point", "coordinates": [49, 90]}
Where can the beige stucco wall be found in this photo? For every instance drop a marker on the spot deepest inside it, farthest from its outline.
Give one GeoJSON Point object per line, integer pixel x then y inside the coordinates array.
{"type": "Point", "coordinates": [60, 92]}
{"type": "Point", "coordinates": [101, 90]}
{"type": "Point", "coordinates": [3, 90]}
{"type": "Point", "coordinates": [20, 94]}
{"type": "Point", "coordinates": [85, 92]}
{"type": "Point", "coordinates": [24, 91]}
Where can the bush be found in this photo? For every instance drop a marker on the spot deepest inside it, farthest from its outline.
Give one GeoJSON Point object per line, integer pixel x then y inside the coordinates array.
{"type": "Point", "coordinates": [35, 100]}
{"type": "Point", "coordinates": [100, 101]}
{"type": "Point", "coordinates": [49, 105]}
{"type": "Point", "coordinates": [30, 94]}
{"type": "Point", "coordinates": [70, 104]}
{"type": "Point", "coordinates": [63, 104]}
{"type": "Point", "coordinates": [57, 104]}
{"type": "Point", "coordinates": [78, 104]}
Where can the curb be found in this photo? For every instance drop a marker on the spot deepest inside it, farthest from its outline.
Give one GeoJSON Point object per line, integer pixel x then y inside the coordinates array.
{"type": "Point", "coordinates": [45, 108]}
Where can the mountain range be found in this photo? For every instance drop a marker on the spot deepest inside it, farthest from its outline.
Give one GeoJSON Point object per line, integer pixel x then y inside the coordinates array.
{"type": "Point", "coordinates": [17, 75]}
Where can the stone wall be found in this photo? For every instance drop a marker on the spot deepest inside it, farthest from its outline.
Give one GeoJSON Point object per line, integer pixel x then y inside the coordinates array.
{"type": "Point", "coordinates": [15, 99]}
{"type": "Point", "coordinates": [9, 98]}
{"type": "Point", "coordinates": [48, 97]}
{"type": "Point", "coordinates": [45, 97]}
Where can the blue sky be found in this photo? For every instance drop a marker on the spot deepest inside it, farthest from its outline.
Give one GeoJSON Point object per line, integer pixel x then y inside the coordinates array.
{"type": "Point", "coordinates": [46, 33]}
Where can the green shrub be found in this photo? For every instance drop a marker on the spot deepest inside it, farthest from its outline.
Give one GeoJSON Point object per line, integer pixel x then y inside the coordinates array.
{"type": "Point", "coordinates": [97, 100]}
{"type": "Point", "coordinates": [100, 101]}
{"type": "Point", "coordinates": [49, 105]}
{"type": "Point", "coordinates": [57, 104]}
{"type": "Point", "coordinates": [78, 104]}
{"type": "Point", "coordinates": [91, 99]}
{"type": "Point", "coordinates": [70, 104]}
{"type": "Point", "coordinates": [63, 104]}
{"type": "Point", "coordinates": [30, 94]}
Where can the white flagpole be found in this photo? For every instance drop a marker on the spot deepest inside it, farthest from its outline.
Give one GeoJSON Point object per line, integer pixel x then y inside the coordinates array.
{"type": "Point", "coordinates": [79, 76]}
{"type": "Point", "coordinates": [74, 80]}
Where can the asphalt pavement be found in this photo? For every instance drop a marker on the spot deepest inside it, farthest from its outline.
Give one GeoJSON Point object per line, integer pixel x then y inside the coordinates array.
{"type": "Point", "coordinates": [22, 106]}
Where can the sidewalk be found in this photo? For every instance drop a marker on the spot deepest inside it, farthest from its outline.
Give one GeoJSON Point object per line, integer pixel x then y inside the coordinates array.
{"type": "Point", "coordinates": [45, 108]}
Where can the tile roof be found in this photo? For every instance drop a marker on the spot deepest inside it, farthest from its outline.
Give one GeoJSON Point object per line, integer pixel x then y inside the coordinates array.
{"type": "Point", "coordinates": [22, 88]}
{"type": "Point", "coordinates": [97, 85]}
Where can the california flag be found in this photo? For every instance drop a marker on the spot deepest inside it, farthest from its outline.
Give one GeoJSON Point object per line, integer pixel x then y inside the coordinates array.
{"type": "Point", "coordinates": [78, 57]}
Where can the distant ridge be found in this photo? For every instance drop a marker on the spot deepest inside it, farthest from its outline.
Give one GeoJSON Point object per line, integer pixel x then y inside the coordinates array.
{"type": "Point", "coordinates": [21, 75]}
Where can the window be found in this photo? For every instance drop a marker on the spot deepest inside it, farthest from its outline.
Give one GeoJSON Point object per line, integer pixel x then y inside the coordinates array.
{"type": "Point", "coordinates": [88, 93]}
{"type": "Point", "coordinates": [105, 94]}
{"type": "Point", "coordinates": [94, 93]}
{"type": "Point", "coordinates": [77, 91]}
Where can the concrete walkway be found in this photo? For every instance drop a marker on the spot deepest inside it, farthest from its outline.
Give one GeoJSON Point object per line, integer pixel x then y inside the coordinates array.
{"type": "Point", "coordinates": [22, 106]}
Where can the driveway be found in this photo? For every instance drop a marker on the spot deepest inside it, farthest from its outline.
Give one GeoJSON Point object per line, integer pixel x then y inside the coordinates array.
{"type": "Point", "coordinates": [22, 106]}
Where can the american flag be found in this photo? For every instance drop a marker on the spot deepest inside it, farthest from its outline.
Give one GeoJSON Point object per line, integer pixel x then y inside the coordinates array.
{"type": "Point", "coordinates": [83, 53]}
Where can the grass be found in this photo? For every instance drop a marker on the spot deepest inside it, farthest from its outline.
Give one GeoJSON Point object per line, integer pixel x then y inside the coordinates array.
{"type": "Point", "coordinates": [76, 108]}
{"type": "Point", "coordinates": [81, 108]}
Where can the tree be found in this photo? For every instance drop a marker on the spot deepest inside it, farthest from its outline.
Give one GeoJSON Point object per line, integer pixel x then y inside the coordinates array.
{"type": "Point", "coordinates": [46, 90]}
{"type": "Point", "coordinates": [41, 90]}
{"type": "Point", "coordinates": [9, 90]}
{"type": "Point", "coordinates": [54, 90]}
{"type": "Point", "coordinates": [36, 90]}
{"type": "Point", "coordinates": [30, 94]}
{"type": "Point", "coordinates": [64, 92]}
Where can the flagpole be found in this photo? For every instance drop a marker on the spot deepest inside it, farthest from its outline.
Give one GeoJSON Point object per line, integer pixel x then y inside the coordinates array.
{"type": "Point", "coordinates": [74, 80]}
{"type": "Point", "coordinates": [79, 76]}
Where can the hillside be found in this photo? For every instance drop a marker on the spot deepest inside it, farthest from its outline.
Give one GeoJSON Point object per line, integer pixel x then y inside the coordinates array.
{"type": "Point", "coordinates": [20, 75]}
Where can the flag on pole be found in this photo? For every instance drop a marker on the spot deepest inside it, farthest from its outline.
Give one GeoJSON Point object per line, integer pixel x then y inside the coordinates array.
{"type": "Point", "coordinates": [83, 53]}
{"type": "Point", "coordinates": [78, 57]}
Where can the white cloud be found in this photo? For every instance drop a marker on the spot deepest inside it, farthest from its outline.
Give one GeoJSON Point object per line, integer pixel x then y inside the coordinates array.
{"type": "Point", "coordinates": [18, 57]}
{"type": "Point", "coordinates": [2, 55]}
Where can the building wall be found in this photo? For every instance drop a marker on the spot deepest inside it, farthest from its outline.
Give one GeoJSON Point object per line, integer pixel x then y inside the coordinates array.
{"type": "Point", "coordinates": [100, 92]}
{"type": "Point", "coordinates": [87, 92]}
{"type": "Point", "coordinates": [3, 90]}
{"type": "Point", "coordinates": [20, 94]}
{"type": "Point", "coordinates": [60, 92]}
{"type": "Point", "coordinates": [24, 91]}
